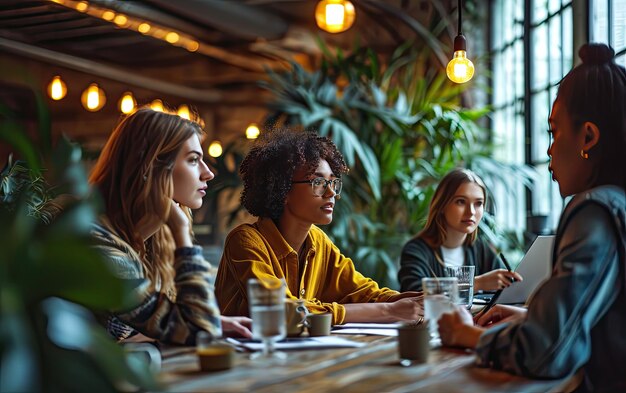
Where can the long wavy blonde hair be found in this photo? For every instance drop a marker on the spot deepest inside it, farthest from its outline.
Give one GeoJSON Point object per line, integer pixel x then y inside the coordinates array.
{"type": "Point", "coordinates": [134, 177]}
{"type": "Point", "coordinates": [434, 232]}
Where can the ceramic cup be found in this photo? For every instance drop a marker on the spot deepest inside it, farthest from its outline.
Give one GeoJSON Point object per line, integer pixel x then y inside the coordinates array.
{"type": "Point", "coordinates": [295, 317]}
{"type": "Point", "coordinates": [319, 324]}
{"type": "Point", "coordinates": [413, 343]}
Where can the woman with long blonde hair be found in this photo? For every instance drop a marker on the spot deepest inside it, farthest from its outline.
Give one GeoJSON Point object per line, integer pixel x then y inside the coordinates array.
{"type": "Point", "coordinates": [150, 174]}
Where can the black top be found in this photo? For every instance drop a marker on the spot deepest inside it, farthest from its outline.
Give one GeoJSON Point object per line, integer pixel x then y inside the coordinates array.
{"type": "Point", "coordinates": [418, 261]}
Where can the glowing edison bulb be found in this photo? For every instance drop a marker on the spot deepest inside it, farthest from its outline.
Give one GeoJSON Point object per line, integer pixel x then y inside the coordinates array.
{"type": "Point", "coordinates": [460, 69]}
{"type": "Point", "coordinates": [334, 16]}
{"type": "Point", "coordinates": [252, 132]}
{"type": "Point", "coordinates": [215, 149]}
{"type": "Point", "coordinates": [127, 103]}
{"type": "Point", "coordinates": [157, 105]}
{"type": "Point", "coordinates": [93, 98]}
{"type": "Point", "coordinates": [57, 89]}
{"type": "Point", "coordinates": [183, 111]}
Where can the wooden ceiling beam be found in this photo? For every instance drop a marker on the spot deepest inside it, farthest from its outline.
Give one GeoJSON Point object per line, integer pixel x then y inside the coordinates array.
{"type": "Point", "coordinates": [209, 96]}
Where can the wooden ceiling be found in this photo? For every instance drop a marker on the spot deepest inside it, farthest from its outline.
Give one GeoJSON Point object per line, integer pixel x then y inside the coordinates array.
{"type": "Point", "coordinates": [237, 41]}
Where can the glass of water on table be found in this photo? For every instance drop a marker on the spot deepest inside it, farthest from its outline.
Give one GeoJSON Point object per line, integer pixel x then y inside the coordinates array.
{"type": "Point", "coordinates": [441, 295]}
{"type": "Point", "coordinates": [465, 277]}
{"type": "Point", "coordinates": [266, 298]}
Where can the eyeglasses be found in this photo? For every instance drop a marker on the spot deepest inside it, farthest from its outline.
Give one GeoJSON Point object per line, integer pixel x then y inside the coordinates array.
{"type": "Point", "coordinates": [319, 185]}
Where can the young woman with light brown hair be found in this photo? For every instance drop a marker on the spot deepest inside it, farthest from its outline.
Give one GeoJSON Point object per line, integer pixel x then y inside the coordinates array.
{"type": "Point", "coordinates": [450, 237]}
{"type": "Point", "coordinates": [150, 174]}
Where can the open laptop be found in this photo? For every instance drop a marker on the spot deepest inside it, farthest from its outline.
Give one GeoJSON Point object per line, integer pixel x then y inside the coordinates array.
{"type": "Point", "coordinates": [535, 267]}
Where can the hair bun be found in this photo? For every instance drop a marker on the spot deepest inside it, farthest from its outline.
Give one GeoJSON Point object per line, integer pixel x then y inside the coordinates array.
{"type": "Point", "coordinates": [596, 54]}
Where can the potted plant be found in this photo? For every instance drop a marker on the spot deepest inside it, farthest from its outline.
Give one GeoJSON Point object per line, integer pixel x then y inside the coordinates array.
{"type": "Point", "coordinates": [50, 278]}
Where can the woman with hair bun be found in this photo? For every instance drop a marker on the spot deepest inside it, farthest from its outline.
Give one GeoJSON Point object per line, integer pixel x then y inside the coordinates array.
{"type": "Point", "coordinates": [576, 320]}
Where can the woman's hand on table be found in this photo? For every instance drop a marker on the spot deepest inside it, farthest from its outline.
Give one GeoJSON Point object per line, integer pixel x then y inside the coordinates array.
{"type": "Point", "coordinates": [407, 309]}
{"type": "Point", "coordinates": [457, 329]}
{"type": "Point", "coordinates": [236, 326]}
{"type": "Point", "coordinates": [495, 279]}
{"type": "Point", "coordinates": [500, 313]}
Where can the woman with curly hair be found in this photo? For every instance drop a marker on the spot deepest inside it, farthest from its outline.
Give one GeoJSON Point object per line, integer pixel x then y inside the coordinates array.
{"type": "Point", "coordinates": [576, 319]}
{"type": "Point", "coordinates": [291, 182]}
{"type": "Point", "coordinates": [150, 174]}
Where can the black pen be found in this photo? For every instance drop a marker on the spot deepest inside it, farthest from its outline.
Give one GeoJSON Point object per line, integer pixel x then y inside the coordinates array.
{"type": "Point", "coordinates": [492, 302]}
{"type": "Point", "coordinates": [495, 297]}
{"type": "Point", "coordinates": [506, 263]}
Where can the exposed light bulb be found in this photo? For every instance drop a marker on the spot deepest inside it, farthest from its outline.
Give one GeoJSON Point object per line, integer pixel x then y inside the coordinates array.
{"type": "Point", "coordinates": [334, 16]}
{"type": "Point", "coordinates": [127, 103]}
{"type": "Point", "coordinates": [215, 149]}
{"type": "Point", "coordinates": [57, 89]}
{"type": "Point", "coordinates": [157, 105]}
{"type": "Point", "coordinates": [460, 69]}
{"type": "Point", "coordinates": [93, 98]}
{"type": "Point", "coordinates": [252, 132]}
{"type": "Point", "coordinates": [183, 111]}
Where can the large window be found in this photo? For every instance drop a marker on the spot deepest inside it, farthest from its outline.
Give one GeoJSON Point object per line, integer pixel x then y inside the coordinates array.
{"type": "Point", "coordinates": [608, 25]}
{"type": "Point", "coordinates": [508, 131]}
{"type": "Point", "coordinates": [533, 45]}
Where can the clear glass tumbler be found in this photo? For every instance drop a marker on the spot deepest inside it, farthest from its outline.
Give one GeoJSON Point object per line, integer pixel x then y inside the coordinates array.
{"type": "Point", "coordinates": [441, 294]}
{"type": "Point", "coordinates": [465, 277]}
{"type": "Point", "coordinates": [266, 298]}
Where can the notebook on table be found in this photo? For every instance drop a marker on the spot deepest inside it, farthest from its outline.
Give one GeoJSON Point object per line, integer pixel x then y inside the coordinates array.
{"type": "Point", "coordinates": [535, 267]}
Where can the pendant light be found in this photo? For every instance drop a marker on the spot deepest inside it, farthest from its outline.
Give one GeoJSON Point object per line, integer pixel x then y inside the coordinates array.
{"type": "Point", "coordinates": [334, 16]}
{"type": "Point", "coordinates": [57, 89]}
{"type": "Point", "coordinates": [93, 98]}
{"type": "Point", "coordinates": [127, 103]}
{"type": "Point", "coordinates": [460, 69]}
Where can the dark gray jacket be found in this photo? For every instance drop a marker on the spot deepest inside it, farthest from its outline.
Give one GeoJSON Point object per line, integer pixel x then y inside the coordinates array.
{"type": "Point", "coordinates": [577, 318]}
{"type": "Point", "coordinates": [418, 260]}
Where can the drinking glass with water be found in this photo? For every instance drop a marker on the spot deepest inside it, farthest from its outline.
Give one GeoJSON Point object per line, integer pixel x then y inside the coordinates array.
{"type": "Point", "coordinates": [465, 277]}
{"type": "Point", "coordinates": [267, 309]}
{"type": "Point", "coordinates": [440, 296]}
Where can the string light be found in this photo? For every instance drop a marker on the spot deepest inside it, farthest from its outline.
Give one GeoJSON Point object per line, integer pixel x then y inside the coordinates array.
{"type": "Point", "coordinates": [252, 132]}
{"type": "Point", "coordinates": [183, 111]}
{"type": "Point", "coordinates": [215, 149]}
{"type": "Point", "coordinates": [176, 38]}
{"type": "Point", "coordinates": [57, 89]}
{"type": "Point", "coordinates": [127, 103]}
{"type": "Point", "coordinates": [157, 105]}
{"type": "Point", "coordinates": [93, 98]}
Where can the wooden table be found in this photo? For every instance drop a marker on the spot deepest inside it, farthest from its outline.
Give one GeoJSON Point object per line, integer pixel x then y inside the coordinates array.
{"type": "Point", "coordinates": [372, 368]}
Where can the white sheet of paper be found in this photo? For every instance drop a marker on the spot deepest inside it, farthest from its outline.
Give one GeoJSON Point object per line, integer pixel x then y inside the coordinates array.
{"type": "Point", "coordinates": [368, 332]}
{"type": "Point", "coordinates": [367, 326]}
{"type": "Point", "coordinates": [299, 343]}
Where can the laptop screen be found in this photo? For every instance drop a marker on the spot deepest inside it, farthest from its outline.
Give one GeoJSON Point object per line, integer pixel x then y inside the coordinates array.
{"type": "Point", "coordinates": [535, 267]}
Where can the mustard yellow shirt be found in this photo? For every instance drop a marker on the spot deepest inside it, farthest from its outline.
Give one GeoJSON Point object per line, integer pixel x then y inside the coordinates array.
{"type": "Point", "coordinates": [329, 279]}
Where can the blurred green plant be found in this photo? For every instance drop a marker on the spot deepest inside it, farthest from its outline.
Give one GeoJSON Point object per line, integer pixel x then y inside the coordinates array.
{"type": "Point", "coordinates": [401, 127]}
{"type": "Point", "coordinates": [49, 275]}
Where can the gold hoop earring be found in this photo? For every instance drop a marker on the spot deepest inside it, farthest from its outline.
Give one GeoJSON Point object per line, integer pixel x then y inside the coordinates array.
{"type": "Point", "coordinates": [584, 154]}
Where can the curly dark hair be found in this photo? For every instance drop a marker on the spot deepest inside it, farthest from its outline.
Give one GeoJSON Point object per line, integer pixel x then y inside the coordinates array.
{"type": "Point", "coordinates": [267, 171]}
